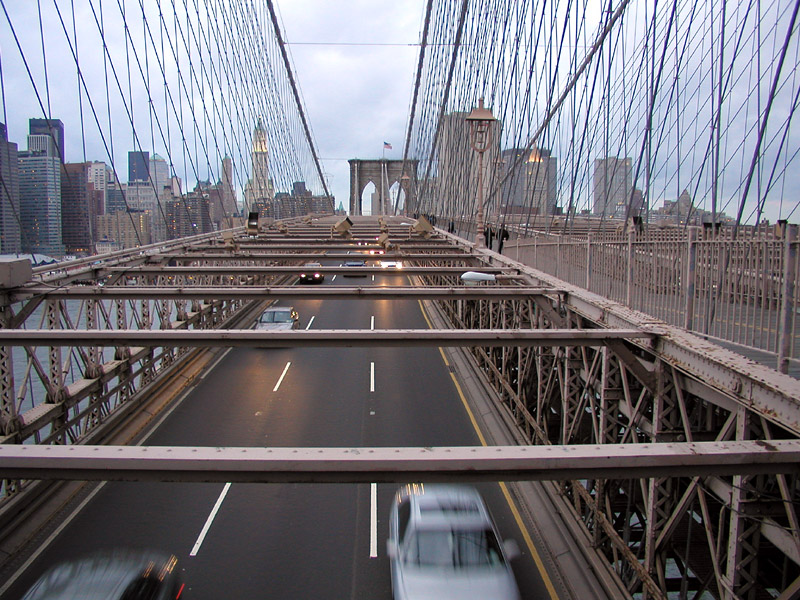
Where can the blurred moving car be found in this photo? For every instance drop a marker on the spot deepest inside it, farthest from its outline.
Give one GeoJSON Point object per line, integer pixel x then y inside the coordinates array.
{"type": "Point", "coordinates": [311, 274]}
{"type": "Point", "coordinates": [278, 318]}
{"type": "Point", "coordinates": [391, 264]}
{"type": "Point", "coordinates": [355, 265]}
{"type": "Point", "coordinates": [443, 544]}
{"type": "Point", "coordinates": [111, 575]}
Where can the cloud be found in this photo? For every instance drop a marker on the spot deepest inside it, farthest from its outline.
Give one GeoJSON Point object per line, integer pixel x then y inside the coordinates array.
{"type": "Point", "coordinates": [357, 96]}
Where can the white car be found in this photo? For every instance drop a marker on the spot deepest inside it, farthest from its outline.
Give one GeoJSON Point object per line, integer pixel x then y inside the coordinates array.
{"type": "Point", "coordinates": [443, 544]}
{"type": "Point", "coordinates": [391, 264]}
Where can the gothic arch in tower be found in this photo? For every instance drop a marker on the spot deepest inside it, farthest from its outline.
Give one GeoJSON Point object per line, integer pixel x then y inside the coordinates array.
{"type": "Point", "coordinates": [383, 173]}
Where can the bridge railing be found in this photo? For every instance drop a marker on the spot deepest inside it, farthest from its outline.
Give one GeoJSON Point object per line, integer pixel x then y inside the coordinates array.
{"type": "Point", "coordinates": [738, 291]}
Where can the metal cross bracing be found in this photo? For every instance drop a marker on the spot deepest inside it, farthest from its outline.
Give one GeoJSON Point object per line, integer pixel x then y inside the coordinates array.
{"type": "Point", "coordinates": [569, 368]}
{"type": "Point", "coordinates": [731, 537]}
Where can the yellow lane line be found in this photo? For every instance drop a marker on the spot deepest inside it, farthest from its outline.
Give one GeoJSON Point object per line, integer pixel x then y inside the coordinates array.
{"type": "Point", "coordinates": [511, 504]}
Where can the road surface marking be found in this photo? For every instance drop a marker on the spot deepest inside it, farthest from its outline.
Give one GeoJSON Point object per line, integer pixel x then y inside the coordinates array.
{"type": "Point", "coordinates": [551, 590]}
{"type": "Point", "coordinates": [57, 531]}
{"type": "Point", "coordinates": [372, 377]}
{"type": "Point", "coordinates": [373, 278]}
{"type": "Point", "coordinates": [310, 321]}
{"type": "Point", "coordinates": [333, 278]}
{"type": "Point", "coordinates": [210, 520]}
{"type": "Point", "coordinates": [372, 322]}
{"type": "Point", "coordinates": [373, 520]}
{"type": "Point", "coordinates": [280, 379]}
{"type": "Point", "coordinates": [50, 538]}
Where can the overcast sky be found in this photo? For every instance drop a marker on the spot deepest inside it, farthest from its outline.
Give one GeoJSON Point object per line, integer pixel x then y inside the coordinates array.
{"type": "Point", "coordinates": [357, 97]}
{"type": "Point", "coordinates": [354, 62]}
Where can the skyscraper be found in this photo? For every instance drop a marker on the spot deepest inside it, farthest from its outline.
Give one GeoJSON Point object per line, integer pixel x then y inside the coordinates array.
{"type": "Point", "coordinates": [138, 166]}
{"type": "Point", "coordinates": [79, 203]}
{"type": "Point", "coordinates": [54, 129]}
{"type": "Point", "coordinates": [159, 174]}
{"type": "Point", "coordinates": [228, 193]}
{"type": "Point", "coordinates": [531, 186]}
{"type": "Point", "coordinates": [259, 186]}
{"type": "Point", "coordinates": [457, 168]}
{"type": "Point", "coordinates": [10, 218]}
{"type": "Point", "coordinates": [612, 186]}
{"type": "Point", "coordinates": [40, 203]}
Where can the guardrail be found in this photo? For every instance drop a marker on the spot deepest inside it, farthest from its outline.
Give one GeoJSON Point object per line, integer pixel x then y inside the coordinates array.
{"type": "Point", "coordinates": [739, 291]}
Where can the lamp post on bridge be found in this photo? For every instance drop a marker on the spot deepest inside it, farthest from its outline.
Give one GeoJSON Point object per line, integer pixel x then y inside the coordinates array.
{"type": "Point", "coordinates": [480, 138]}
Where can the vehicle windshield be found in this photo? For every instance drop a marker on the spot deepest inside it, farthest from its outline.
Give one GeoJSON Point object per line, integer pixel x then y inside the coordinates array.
{"type": "Point", "coordinates": [455, 549]}
{"type": "Point", "coordinates": [277, 316]}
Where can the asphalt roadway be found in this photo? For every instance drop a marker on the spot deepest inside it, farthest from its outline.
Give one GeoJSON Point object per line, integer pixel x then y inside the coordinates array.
{"type": "Point", "coordinates": [292, 541]}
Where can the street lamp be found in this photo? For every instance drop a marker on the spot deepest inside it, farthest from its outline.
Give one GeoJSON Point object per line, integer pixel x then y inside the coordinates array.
{"type": "Point", "coordinates": [480, 138]}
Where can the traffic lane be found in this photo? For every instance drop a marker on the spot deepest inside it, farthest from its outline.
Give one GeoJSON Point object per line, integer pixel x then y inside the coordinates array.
{"type": "Point", "coordinates": [369, 577]}
{"type": "Point", "coordinates": [294, 528]}
{"type": "Point", "coordinates": [227, 407]}
{"type": "Point", "coordinates": [219, 411]}
{"type": "Point", "coordinates": [279, 542]}
{"type": "Point", "coordinates": [151, 516]}
{"type": "Point", "coordinates": [306, 411]}
{"type": "Point", "coordinates": [418, 404]}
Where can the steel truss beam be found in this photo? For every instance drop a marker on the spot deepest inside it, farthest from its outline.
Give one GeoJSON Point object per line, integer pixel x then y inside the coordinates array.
{"type": "Point", "coordinates": [266, 254]}
{"type": "Point", "coordinates": [396, 465]}
{"type": "Point", "coordinates": [179, 290]}
{"type": "Point", "coordinates": [727, 535]}
{"type": "Point", "coordinates": [319, 337]}
{"type": "Point", "coordinates": [734, 537]}
{"type": "Point", "coordinates": [276, 269]}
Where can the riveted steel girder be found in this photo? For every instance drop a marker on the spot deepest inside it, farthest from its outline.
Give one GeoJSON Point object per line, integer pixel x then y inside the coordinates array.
{"type": "Point", "coordinates": [181, 291]}
{"type": "Point", "coordinates": [398, 465]}
{"type": "Point", "coordinates": [319, 337]}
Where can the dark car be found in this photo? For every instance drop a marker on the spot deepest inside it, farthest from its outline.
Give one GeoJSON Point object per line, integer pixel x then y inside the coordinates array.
{"type": "Point", "coordinates": [311, 274]}
{"type": "Point", "coordinates": [354, 268]}
{"type": "Point", "coordinates": [111, 575]}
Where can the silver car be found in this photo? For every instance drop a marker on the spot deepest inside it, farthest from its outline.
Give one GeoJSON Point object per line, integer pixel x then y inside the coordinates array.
{"type": "Point", "coordinates": [110, 575]}
{"type": "Point", "coordinates": [443, 544]}
{"type": "Point", "coordinates": [278, 318]}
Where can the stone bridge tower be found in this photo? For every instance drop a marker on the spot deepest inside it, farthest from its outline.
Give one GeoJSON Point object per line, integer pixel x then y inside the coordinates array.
{"type": "Point", "coordinates": [383, 173]}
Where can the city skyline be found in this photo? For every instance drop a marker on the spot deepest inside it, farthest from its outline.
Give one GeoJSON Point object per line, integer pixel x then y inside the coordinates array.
{"type": "Point", "coordinates": [355, 83]}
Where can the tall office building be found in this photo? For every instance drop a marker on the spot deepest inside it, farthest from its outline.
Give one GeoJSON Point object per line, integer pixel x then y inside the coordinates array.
{"type": "Point", "coordinates": [123, 229]}
{"type": "Point", "coordinates": [457, 168]}
{"type": "Point", "coordinates": [228, 193]}
{"type": "Point", "coordinates": [138, 166]}
{"type": "Point", "coordinates": [10, 218]}
{"type": "Point", "coordinates": [159, 174]}
{"type": "Point", "coordinates": [115, 195]}
{"type": "Point", "coordinates": [42, 144]}
{"type": "Point", "coordinates": [40, 203]}
{"type": "Point", "coordinates": [259, 187]}
{"type": "Point", "coordinates": [79, 206]}
{"type": "Point", "coordinates": [102, 177]}
{"type": "Point", "coordinates": [612, 186]}
{"type": "Point", "coordinates": [189, 215]}
{"type": "Point", "coordinates": [529, 185]}
{"type": "Point", "coordinates": [52, 128]}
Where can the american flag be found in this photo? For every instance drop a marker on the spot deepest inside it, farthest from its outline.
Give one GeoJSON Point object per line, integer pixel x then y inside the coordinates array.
{"type": "Point", "coordinates": [387, 146]}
